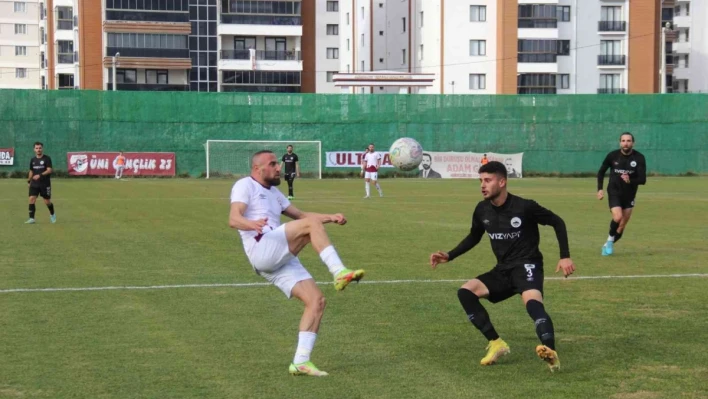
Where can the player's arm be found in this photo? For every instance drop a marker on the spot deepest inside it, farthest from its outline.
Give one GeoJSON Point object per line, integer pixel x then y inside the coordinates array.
{"type": "Point", "coordinates": [378, 162]}
{"type": "Point", "coordinates": [641, 176]}
{"type": "Point", "coordinates": [294, 213]}
{"type": "Point", "coordinates": [606, 164]}
{"type": "Point", "coordinates": [545, 217]}
{"type": "Point", "coordinates": [239, 222]}
{"type": "Point", "coordinates": [469, 242]}
{"type": "Point", "coordinates": [297, 166]}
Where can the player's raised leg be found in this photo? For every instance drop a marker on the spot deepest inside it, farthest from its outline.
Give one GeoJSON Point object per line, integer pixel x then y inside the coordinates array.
{"type": "Point", "coordinates": [469, 296]}
{"type": "Point", "coordinates": [310, 230]}
{"type": "Point", "coordinates": [308, 292]}
{"type": "Point", "coordinates": [533, 300]}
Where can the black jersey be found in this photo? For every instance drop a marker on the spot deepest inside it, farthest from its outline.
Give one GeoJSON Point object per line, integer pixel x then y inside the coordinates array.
{"type": "Point", "coordinates": [289, 160]}
{"type": "Point", "coordinates": [39, 166]}
{"type": "Point", "coordinates": [513, 231]}
{"type": "Point", "coordinates": [633, 164]}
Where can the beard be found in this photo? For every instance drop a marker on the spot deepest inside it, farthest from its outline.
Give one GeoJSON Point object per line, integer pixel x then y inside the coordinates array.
{"type": "Point", "coordinates": [274, 181]}
{"type": "Point", "coordinates": [426, 167]}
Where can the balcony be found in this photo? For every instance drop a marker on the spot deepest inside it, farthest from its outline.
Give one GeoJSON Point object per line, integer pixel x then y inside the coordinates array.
{"type": "Point", "coordinates": [536, 90]}
{"type": "Point", "coordinates": [148, 52]}
{"type": "Point", "coordinates": [147, 87]}
{"type": "Point", "coordinates": [259, 89]}
{"type": "Point", "coordinates": [611, 91]}
{"type": "Point", "coordinates": [537, 57]}
{"type": "Point", "coordinates": [611, 60]}
{"type": "Point", "coordinates": [612, 26]}
{"type": "Point", "coordinates": [538, 23]}
{"type": "Point", "coordinates": [65, 58]}
{"type": "Point", "coordinates": [147, 16]}
{"type": "Point", "coordinates": [252, 19]}
{"type": "Point", "coordinates": [270, 55]}
{"type": "Point", "coordinates": [65, 24]}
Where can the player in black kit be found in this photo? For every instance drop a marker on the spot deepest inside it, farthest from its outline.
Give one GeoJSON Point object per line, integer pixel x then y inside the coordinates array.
{"type": "Point", "coordinates": [511, 223]}
{"type": "Point", "coordinates": [628, 170]}
{"type": "Point", "coordinates": [291, 164]}
{"type": "Point", "coordinates": [40, 183]}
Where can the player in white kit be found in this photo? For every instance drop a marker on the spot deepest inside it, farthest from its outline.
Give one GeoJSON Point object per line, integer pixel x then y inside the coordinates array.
{"type": "Point", "coordinates": [371, 161]}
{"type": "Point", "coordinates": [272, 248]}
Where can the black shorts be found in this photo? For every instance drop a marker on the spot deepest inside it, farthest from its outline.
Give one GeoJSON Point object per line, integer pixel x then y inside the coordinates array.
{"type": "Point", "coordinates": [41, 191]}
{"type": "Point", "coordinates": [503, 284]}
{"type": "Point", "coordinates": [621, 200]}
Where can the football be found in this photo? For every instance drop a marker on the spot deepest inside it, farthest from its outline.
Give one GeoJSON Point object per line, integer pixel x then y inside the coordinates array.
{"type": "Point", "coordinates": [406, 153]}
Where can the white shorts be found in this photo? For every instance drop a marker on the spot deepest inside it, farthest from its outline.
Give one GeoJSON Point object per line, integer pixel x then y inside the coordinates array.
{"type": "Point", "coordinates": [371, 175]}
{"type": "Point", "coordinates": [272, 260]}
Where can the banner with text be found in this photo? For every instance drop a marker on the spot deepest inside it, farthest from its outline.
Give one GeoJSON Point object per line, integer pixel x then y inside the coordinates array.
{"type": "Point", "coordinates": [136, 163]}
{"type": "Point", "coordinates": [465, 165]}
{"type": "Point", "coordinates": [7, 156]}
{"type": "Point", "coordinates": [352, 159]}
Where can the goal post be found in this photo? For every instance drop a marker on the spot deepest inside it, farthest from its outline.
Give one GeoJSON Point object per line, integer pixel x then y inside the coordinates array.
{"type": "Point", "coordinates": [233, 157]}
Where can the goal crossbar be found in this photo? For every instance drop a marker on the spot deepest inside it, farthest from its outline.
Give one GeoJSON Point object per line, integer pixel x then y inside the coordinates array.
{"type": "Point", "coordinates": [263, 142]}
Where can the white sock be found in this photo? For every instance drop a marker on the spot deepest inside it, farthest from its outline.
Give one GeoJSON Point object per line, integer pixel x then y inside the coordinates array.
{"type": "Point", "coordinates": [611, 238]}
{"type": "Point", "coordinates": [379, 188]}
{"type": "Point", "coordinates": [368, 188]}
{"type": "Point", "coordinates": [305, 343]}
{"type": "Point", "coordinates": [331, 259]}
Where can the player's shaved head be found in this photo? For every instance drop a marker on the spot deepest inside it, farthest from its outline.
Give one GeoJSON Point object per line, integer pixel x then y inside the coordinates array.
{"type": "Point", "coordinates": [256, 158]}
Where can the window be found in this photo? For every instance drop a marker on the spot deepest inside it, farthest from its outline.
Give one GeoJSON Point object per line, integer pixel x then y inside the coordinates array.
{"type": "Point", "coordinates": [687, 37]}
{"type": "Point", "coordinates": [610, 81]}
{"type": "Point", "coordinates": [156, 76]}
{"type": "Point", "coordinates": [380, 5]}
{"type": "Point", "coordinates": [362, 12]}
{"type": "Point", "coordinates": [362, 39]}
{"type": "Point", "coordinates": [478, 13]}
{"type": "Point", "coordinates": [542, 50]}
{"type": "Point", "coordinates": [421, 52]}
{"type": "Point", "coordinates": [363, 67]}
{"type": "Point", "coordinates": [380, 33]}
{"type": "Point", "coordinates": [64, 18]}
{"type": "Point", "coordinates": [403, 58]}
{"type": "Point", "coordinates": [20, 7]}
{"type": "Point", "coordinates": [347, 19]}
{"type": "Point", "coordinates": [404, 24]}
{"type": "Point", "coordinates": [20, 29]}
{"type": "Point", "coordinates": [563, 13]}
{"type": "Point", "coordinates": [536, 83]}
{"type": "Point", "coordinates": [20, 50]}
{"type": "Point", "coordinates": [332, 53]}
{"type": "Point", "coordinates": [381, 60]}
{"type": "Point", "coordinates": [151, 40]}
{"type": "Point", "coordinates": [686, 62]}
{"type": "Point", "coordinates": [688, 13]}
{"type": "Point", "coordinates": [611, 13]}
{"type": "Point", "coordinates": [610, 47]}
{"type": "Point", "coordinates": [478, 47]}
{"type": "Point", "coordinates": [332, 29]}
{"type": "Point", "coordinates": [330, 76]}
{"type": "Point", "coordinates": [478, 81]}
{"type": "Point", "coordinates": [348, 68]}
{"type": "Point", "coordinates": [677, 11]}
{"type": "Point", "coordinates": [421, 19]}
{"type": "Point", "coordinates": [20, 73]}
{"type": "Point", "coordinates": [347, 44]}
{"type": "Point", "coordinates": [564, 81]}
{"type": "Point", "coordinates": [333, 6]}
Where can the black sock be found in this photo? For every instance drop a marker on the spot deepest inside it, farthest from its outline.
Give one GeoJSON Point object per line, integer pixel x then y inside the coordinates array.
{"type": "Point", "coordinates": [476, 313]}
{"type": "Point", "coordinates": [290, 188]}
{"type": "Point", "coordinates": [618, 236]}
{"type": "Point", "coordinates": [32, 208]}
{"type": "Point", "coordinates": [544, 325]}
{"type": "Point", "coordinates": [51, 208]}
{"type": "Point", "coordinates": [613, 229]}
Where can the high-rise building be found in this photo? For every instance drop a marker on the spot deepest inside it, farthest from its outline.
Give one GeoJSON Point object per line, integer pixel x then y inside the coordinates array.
{"type": "Point", "coordinates": [689, 45]}
{"type": "Point", "coordinates": [20, 55]}
{"type": "Point", "coordinates": [507, 46]}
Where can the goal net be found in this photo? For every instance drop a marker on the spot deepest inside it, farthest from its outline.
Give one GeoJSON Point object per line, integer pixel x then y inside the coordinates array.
{"type": "Point", "coordinates": [233, 157]}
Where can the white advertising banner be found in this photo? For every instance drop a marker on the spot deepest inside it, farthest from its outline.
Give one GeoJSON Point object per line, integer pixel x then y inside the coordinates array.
{"type": "Point", "coordinates": [436, 165]}
{"type": "Point", "coordinates": [465, 165]}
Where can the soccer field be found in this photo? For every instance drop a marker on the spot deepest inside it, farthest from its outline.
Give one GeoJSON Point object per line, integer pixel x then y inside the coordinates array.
{"type": "Point", "coordinates": [164, 304]}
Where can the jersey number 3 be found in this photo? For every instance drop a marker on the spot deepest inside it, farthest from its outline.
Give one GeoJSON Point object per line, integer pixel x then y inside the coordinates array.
{"type": "Point", "coordinates": [529, 270]}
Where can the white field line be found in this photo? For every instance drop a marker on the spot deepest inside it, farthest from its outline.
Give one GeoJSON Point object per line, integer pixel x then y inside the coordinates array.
{"type": "Point", "coordinates": [245, 285]}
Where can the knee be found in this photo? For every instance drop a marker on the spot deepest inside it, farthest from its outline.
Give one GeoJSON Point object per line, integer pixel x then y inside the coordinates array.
{"type": "Point", "coordinates": [318, 304]}
{"type": "Point", "coordinates": [476, 287]}
{"type": "Point", "coordinates": [617, 219]}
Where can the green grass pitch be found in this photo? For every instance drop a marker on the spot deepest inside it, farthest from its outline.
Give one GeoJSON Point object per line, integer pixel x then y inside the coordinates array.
{"type": "Point", "coordinates": [632, 338]}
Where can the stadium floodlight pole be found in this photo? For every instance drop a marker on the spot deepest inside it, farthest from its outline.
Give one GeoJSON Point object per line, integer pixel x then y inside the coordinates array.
{"type": "Point", "coordinates": [115, 66]}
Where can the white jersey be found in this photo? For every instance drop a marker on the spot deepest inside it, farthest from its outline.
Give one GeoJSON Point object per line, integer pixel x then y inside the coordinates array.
{"type": "Point", "coordinates": [372, 159]}
{"type": "Point", "coordinates": [260, 203]}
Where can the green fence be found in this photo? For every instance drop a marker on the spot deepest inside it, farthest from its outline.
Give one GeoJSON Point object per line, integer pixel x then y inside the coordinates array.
{"type": "Point", "coordinates": [558, 134]}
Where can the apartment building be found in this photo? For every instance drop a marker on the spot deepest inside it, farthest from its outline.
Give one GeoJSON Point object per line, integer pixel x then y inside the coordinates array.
{"type": "Point", "coordinates": [507, 46]}
{"type": "Point", "coordinates": [20, 54]}
{"type": "Point", "coordinates": [687, 45]}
